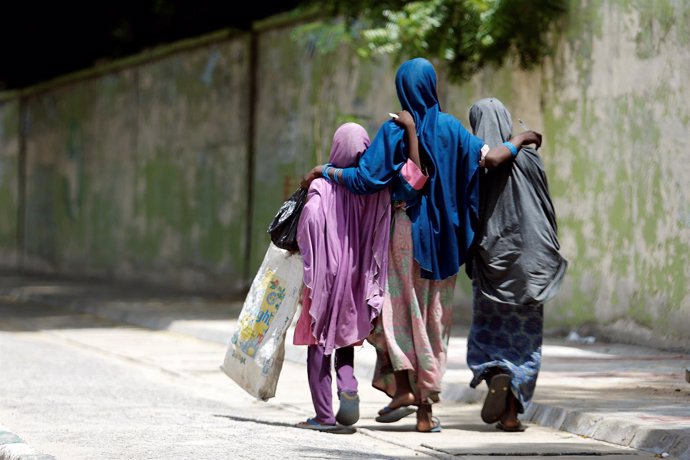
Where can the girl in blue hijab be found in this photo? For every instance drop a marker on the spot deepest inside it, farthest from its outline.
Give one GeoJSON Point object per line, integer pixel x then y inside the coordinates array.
{"type": "Point", "coordinates": [432, 228]}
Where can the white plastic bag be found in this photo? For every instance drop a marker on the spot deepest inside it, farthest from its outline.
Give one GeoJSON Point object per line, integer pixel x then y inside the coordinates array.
{"type": "Point", "coordinates": [256, 350]}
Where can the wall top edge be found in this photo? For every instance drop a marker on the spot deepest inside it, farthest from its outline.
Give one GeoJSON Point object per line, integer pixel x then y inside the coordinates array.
{"type": "Point", "coordinates": [158, 52]}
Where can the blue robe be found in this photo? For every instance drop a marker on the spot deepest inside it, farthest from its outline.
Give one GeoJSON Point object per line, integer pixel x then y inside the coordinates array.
{"type": "Point", "coordinates": [445, 214]}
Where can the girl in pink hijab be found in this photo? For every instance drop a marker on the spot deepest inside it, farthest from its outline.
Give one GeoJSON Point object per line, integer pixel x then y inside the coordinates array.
{"type": "Point", "coordinates": [343, 239]}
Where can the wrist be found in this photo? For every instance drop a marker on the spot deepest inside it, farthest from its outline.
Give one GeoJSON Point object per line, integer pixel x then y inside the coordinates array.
{"type": "Point", "coordinates": [327, 171]}
{"type": "Point", "coordinates": [510, 145]}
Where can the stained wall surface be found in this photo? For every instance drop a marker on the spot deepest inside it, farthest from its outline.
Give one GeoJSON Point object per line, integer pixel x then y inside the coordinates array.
{"type": "Point", "coordinates": [9, 181]}
{"type": "Point", "coordinates": [142, 173]}
{"type": "Point", "coordinates": [149, 171]}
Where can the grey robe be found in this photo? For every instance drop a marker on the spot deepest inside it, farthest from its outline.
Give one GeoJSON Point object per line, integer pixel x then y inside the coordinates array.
{"type": "Point", "coordinates": [516, 257]}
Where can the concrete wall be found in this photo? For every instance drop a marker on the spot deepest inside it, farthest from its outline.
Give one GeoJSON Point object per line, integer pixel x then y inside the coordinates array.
{"type": "Point", "coordinates": [144, 171]}
{"type": "Point", "coordinates": [9, 177]}
{"type": "Point", "coordinates": [616, 115]}
{"type": "Point", "coordinates": [612, 104]}
{"type": "Point", "coordinates": [302, 97]}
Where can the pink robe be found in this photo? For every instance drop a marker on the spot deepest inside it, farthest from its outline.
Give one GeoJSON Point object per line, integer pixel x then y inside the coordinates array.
{"type": "Point", "coordinates": [343, 239]}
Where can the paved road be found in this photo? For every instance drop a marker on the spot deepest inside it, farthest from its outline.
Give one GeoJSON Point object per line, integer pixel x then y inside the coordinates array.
{"type": "Point", "coordinates": [75, 386]}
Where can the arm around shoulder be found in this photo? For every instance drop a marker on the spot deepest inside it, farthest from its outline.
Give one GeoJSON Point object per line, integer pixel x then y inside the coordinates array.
{"type": "Point", "coordinates": [501, 153]}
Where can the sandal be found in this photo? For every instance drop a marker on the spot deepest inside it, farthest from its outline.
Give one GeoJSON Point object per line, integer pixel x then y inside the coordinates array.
{"type": "Point", "coordinates": [511, 429]}
{"type": "Point", "coordinates": [348, 413]}
{"type": "Point", "coordinates": [495, 402]}
{"type": "Point", "coordinates": [313, 424]}
{"type": "Point", "coordinates": [435, 426]}
{"type": "Point", "coordinates": [393, 415]}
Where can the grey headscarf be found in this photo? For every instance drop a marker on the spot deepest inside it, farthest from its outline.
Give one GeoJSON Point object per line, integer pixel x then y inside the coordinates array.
{"type": "Point", "coordinates": [515, 258]}
{"type": "Point", "coordinates": [491, 121]}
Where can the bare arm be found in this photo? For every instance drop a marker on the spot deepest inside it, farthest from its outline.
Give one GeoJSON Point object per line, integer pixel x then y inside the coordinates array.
{"type": "Point", "coordinates": [404, 120]}
{"type": "Point", "coordinates": [500, 153]}
{"type": "Point", "coordinates": [317, 171]}
{"type": "Point", "coordinates": [407, 122]}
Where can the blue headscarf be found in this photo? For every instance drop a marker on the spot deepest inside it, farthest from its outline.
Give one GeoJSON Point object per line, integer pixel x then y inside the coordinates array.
{"type": "Point", "coordinates": [445, 215]}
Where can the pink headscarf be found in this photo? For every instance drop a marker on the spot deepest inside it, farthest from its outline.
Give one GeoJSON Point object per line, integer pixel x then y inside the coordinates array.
{"type": "Point", "coordinates": [343, 239]}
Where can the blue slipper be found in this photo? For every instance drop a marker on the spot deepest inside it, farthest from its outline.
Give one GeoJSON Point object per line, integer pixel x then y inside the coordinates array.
{"type": "Point", "coordinates": [348, 413]}
{"type": "Point", "coordinates": [393, 415]}
{"type": "Point", "coordinates": [313, 424]}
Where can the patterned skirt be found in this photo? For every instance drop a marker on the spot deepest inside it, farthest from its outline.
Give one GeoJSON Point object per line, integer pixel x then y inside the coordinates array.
{"type": "Point", "coordinates": [506, 339]}
{"type": "Point", "coordinates": [413, 329]}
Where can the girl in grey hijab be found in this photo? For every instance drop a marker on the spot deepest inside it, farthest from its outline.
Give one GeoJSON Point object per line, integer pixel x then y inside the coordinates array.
{"type": "Point", "coordinates": [515, 267]}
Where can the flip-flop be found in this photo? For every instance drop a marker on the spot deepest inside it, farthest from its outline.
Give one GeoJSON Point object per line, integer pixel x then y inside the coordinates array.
{"type": "Point", "coordinates": [348, 413]}
{"type": "Point", "coordinates": [496, 399]}
{"type": "Point", "coordinates": [511, 429]}
{"type": "Point", "coordinates": [435, 426]}
{"type": "Point", "coordinates": [393, 415]}
{"type": "Point", "coordinates": [313, 424]}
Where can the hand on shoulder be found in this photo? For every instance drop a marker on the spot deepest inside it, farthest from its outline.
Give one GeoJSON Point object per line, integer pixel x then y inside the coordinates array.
{"type": "Point", "coordinates": [310, 176]}
{"type": "Point", "coordinates": [404, 120]}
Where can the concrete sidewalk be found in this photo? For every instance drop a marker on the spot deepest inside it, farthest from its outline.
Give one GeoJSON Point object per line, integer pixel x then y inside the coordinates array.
{"type": "Point", "coordinates": [626, 395]}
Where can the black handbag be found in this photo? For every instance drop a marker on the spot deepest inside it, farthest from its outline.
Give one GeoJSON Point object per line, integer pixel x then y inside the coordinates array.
{"type": "Point", "coordinates": [283, 229]}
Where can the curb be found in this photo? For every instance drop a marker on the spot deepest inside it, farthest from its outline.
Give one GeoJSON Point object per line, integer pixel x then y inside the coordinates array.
{"type": "Point", "coordinates": [12, 447]}
{"type": "Point", "coordinates": [616, 430]}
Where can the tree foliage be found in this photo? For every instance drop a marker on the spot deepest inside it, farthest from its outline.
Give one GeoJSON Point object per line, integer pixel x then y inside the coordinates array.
{"type": "Point", "coordinates": [466, 34]}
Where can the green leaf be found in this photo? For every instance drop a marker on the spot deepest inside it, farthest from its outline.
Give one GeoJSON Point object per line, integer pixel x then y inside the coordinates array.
{"type": "Point", "coordinates": [464, 34]}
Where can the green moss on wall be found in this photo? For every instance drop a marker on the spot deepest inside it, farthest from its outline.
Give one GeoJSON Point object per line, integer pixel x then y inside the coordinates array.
{"type": "Point", "coordinates": [8, 203]}
{"type": "Point", "coordinates": [656, 20]}
{"type": "Point", "coordinates": [149, 168]}
{"type": "Point", "coordinates": [186, 207]}
{"type": "Point", "coordinates": [9, 175]}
